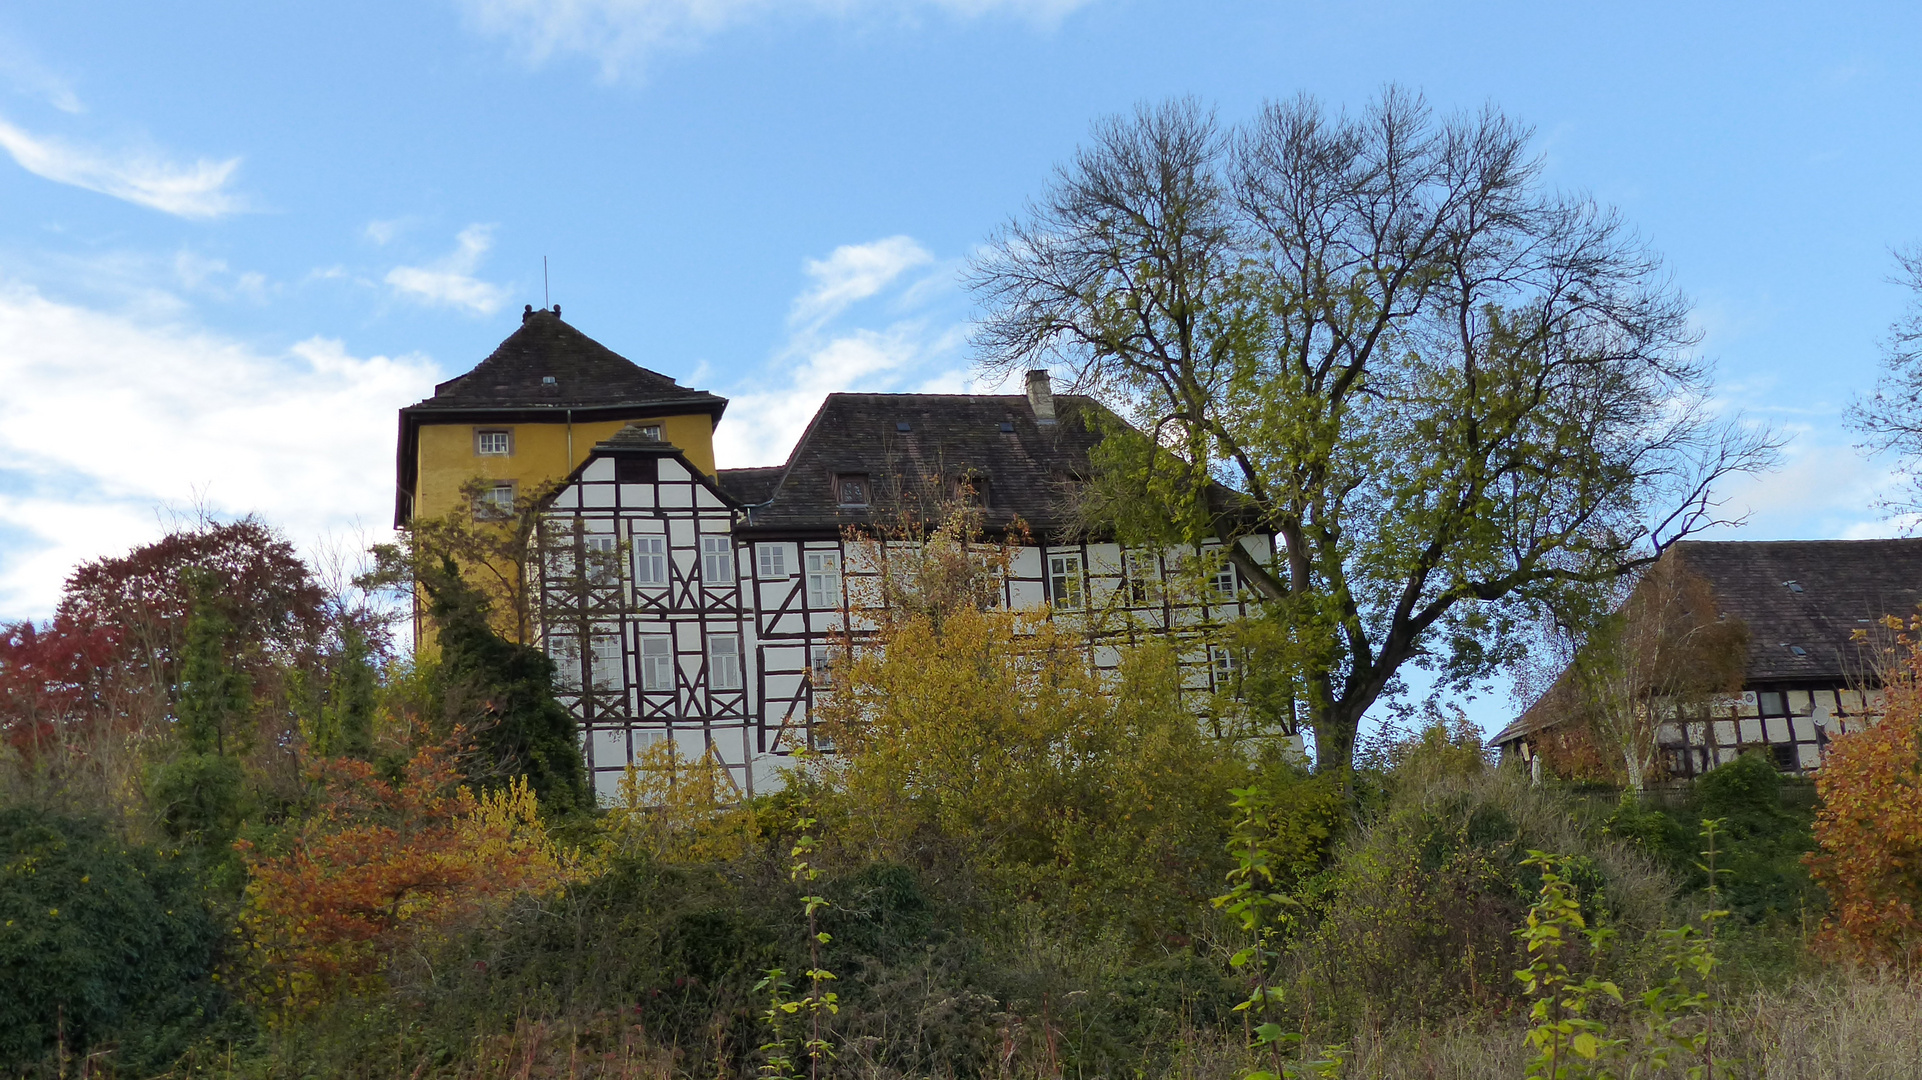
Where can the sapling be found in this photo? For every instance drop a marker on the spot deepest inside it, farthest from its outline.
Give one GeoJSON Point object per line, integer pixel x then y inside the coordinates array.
{"type": "Point", "coordinates": [1266, 913]}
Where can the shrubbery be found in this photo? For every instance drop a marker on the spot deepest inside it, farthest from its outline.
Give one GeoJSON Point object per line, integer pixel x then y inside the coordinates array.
{"type": "Point", "coordinates": [102, 943]}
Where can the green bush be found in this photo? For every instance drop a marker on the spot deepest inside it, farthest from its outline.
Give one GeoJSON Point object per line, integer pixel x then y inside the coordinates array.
{"type": "Point", "coordinates": [102, 945]}
{"type": "Point", "coordinates": [1415, 917]}
{"type": "Point", "coordinates": [1766, 831]}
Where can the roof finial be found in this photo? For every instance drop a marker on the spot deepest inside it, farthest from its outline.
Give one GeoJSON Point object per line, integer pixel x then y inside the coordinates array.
{"type": "Point", "coordinates": [527, 313]}
{"type": "Point", "coordinates": [557, 311]}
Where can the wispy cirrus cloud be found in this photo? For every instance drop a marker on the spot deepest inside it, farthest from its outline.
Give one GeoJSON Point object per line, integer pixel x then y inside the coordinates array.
{"type": "Point", "coordinates": [854, 272]}
{"type": "Point", "coordinates": [202, 189]}
{"type": "Point", "coordinates": [449, 281]}
{"type": "Point", "coordinates": [27, 75]}
{"type": "Point", "coordinates": [621, 33]}
{"type": "Point", "coordinates": [916, 344]}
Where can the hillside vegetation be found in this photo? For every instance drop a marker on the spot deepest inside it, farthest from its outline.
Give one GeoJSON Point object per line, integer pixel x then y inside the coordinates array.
{"type": "Point", "coordinates": [238, 838]}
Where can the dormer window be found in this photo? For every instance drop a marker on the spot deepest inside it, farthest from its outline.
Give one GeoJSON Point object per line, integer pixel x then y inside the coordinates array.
{"type": "Point", "coordinates": [851, 489]}
{"type": "Point", "coordinates": [1792, 586]}
{"type": "Point", "coordinates": [493, 442]}
{"type": "Point", "coordinates": [970, 490]}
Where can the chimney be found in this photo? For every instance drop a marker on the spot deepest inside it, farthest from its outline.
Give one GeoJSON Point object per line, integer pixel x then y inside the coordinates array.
{"type": "Point", "coordinates": [1041, 396]}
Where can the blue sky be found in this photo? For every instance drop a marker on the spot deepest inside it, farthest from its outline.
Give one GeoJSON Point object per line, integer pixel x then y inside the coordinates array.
{"type": "Point", "coordinates": [236, 237]}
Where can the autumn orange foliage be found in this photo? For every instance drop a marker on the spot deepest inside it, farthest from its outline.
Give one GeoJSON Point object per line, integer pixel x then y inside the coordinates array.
{"type": "Point", "coordinates": [1868, 830]}
{"type": "Point", "coordinates": [383, 866]}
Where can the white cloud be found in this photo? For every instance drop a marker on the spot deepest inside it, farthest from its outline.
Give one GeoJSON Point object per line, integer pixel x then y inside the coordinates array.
{"type": "Point", "coordinates": [919, 352]}
{"type": "Point", "coordinates": [854, 272]}
{"type": "Point", "coordinates": [108, 416]}
{"type": "Point", "coordinates": [29, 76]}
{"type": "Point", "coordinates": [199, 190]}
{"type": "Point", "coordinates": [449, 281]}
{"type": "Point", "coordinates": [617, 32]}
{"type": "Point", "coordinates": [381, 232]}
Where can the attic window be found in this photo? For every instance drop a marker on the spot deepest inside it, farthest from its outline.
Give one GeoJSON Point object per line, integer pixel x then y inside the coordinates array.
{"type": "Point", "coordinates": [1792, 586]}
{"type": "Point", "coordinates": [547, 380]}
{"type": "Point", "coordinates": [1796, 649]}
{"type": "Point", "coordinates": [903, 425]}
{"type": "Point", "coordinates": [851, 489]}
{"type": "Point", "coordinates": [650, 432]}
{"type": "Point", "coordinates": [1007, 427]}
{"type": "Point", "coordinates": [493, 442]}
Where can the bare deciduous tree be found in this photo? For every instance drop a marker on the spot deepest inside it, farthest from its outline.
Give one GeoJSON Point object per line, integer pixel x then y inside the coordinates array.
{"type": "Point", "coordinates": [1452, 392]}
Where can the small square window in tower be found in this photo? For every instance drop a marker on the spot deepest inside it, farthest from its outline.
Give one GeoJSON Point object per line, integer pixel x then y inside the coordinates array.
{"type": "Point", "coordinates": [1064, 581]}
{"type": "Point", "coordinates": [496, 502]}
{"type": "Point", "coordinates": [824, 579]}
{"type": "Point", "coordinates": [493, 442]}
{"type": "Point", "coordinates": [717, 560]}
{"type": "Point", "coordinates": [851, 489]}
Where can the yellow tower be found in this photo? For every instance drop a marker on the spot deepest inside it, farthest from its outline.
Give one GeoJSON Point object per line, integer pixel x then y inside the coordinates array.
{"type": "Point", "coordinates": [530, 413]}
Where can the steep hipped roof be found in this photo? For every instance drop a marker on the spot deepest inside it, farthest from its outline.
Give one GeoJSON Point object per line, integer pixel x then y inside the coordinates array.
{"type": "Point", "coordinates": [904, 441]}
{"type": "Point", "coordinates": [585, 374]}
{"type": "Point", "coordinates": [1840, 586]}
{"type": "Point", "coordinates": [1811, 595]}
{"type": "Point", "coordinates": [589, 382]}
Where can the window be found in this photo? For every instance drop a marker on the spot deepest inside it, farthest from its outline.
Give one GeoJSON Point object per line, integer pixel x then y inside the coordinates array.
{"type": "Point", "coordinates": [602, 569]}
{"type": "Point", "coordinates": [607, 661]}
{"type": "Point", "coordinates": [493, 442]}
{"type": "Point", "coordinates": [496, 501]}
{"type": "Point", "coordinates": [821, 666]}
{"type": "Point", "coordinates": [772, 559]}
{"type": "Point", "coordinates": [724, 662]}
{"type": "Point", "coordinates": [969, 490]}
{"type": "Point", "coordinates": [650, 432]}
{"type": "Point", "coordinates": [650, 560]}
{"type": "Point", "coordinates": [1142, 574]}
{"type": "Point", "coordinates": [1224, 583]}
{"type": "Point", "coordinates": [1064, 580]}
{"type": "Point", "coordinates": [657, 662]}
{"type": "Point", "coordinates": [566, 654]}
{"type": "Point", "coordinates": [1784, 757]}
{"type": "Point", "coordinates": [636, 470]}
{"type": "Point", "coordinates": [717, 560]}
{"type": "Point", "coordinates": [851, 489]}
{"type": "Point", "coordinates": [1227, 670]}
{"type": "Point", "coordinates": [824, 579]}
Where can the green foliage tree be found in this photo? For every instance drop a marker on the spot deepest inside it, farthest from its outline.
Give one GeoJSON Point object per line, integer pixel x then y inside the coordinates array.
{"type": "Point", "coordinates": [102, 944]}
{"type": "Point", "coordinates": [344, 724]}
{"type": "Point", "coordinates": [200, 791]}
{"type": "Point", "coordinates": [503, 692]}
{"type": "Point", "coordinates": [988, 742]}
{"type": "Point", "coordinates": [1452, 393]}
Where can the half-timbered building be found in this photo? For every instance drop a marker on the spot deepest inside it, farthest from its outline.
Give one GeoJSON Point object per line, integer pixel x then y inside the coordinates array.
{"type": "Point", "coordinates": [703, 607]}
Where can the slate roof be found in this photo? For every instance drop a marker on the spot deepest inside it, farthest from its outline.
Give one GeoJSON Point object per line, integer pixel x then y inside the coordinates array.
{"type": "Point", "coordinates": [591, 382]}
{"type": "Point", "coordinates": [1844, 586]}
{"type": "Point", "coordinates": [901, 440]}
{"type": "Point", "coordinates": [586, 374]}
